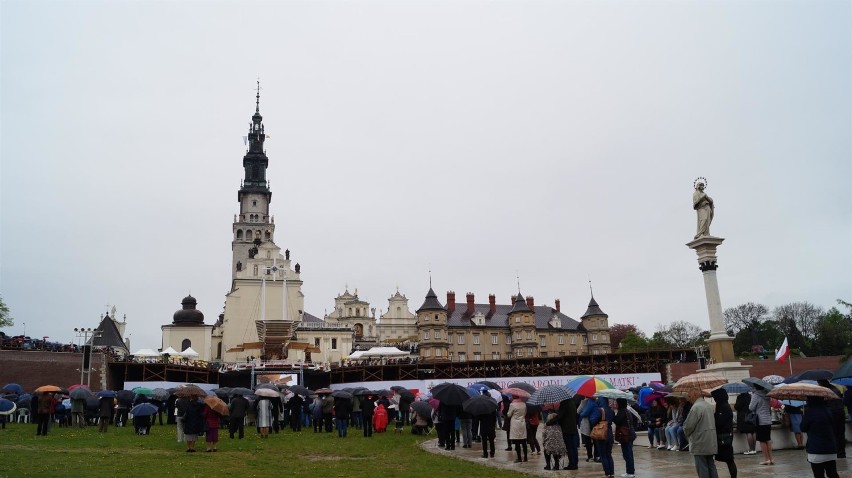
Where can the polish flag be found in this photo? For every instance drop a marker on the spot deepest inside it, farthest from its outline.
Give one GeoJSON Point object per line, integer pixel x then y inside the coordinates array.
{"type": "Point", "coordinates": [783, 352]}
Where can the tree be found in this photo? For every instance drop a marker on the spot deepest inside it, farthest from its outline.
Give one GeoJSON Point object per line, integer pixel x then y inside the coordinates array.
{"type": "Point", "coordinates": [5, 317]}
{"type": "Point", "coordinates": [799, 321]}
{"type": "Point", "coordinates": [617, 333]}
{"type": "Point", "coordinates": [834, 334]}
{"type": "Point", "coordinates": [745, 317]}
{"type": "Point", "coordinates": [633, 342]}
{"type": "Point", "coordinates": [680, 334]}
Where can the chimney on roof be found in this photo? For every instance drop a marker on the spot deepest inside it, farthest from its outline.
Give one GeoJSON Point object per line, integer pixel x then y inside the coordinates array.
{"type": "Point", "coordinates": [451, 302]}
{"type": "Point", "coordinates": [470, 305]}
{"type": "Point", "coordinates": [557, 306]}
{"type": "Point", "coordinates": [531, 302]}
{"type": "Point", "coordinates": [492, 304]}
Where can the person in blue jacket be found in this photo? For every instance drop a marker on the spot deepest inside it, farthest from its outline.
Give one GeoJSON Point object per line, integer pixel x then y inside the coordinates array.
{"type": "Point", "coordinates": [602, 411]}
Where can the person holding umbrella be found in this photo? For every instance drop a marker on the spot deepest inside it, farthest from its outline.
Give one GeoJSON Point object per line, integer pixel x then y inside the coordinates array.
{"type": "Point", "coordinates": [759, 404]}
{"type": "Point", "coordinates": [367, 407]}
{"type": "Point", "coordinates": [238, 408]}
{"type": "Point", "coordinates": [516, 414]}
{"type": "Point", "coordinates": [193, 423]}
{"type": "Point", "coordinates": [105, 407]}
{"type": "Point", "coordinates": [342, 412]}
{"type": "Point", "coordinates": [566, 417]}
{"type": "Point", "coordinates": [264, 415]}
{"type": "Point", "coordinates": [700, 429]}
{"type": "Point", "coordinates": [46, 401]}
{"type": "Point", "coordinates": [724, 420]}
{"type": "Point", "coordinates": [822, 448]}
{"type": "Point", "coordinates": [211, 424]}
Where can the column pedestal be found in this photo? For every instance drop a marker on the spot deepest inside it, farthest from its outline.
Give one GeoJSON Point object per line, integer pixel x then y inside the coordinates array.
{"type": "Point", "coordinates": [722, 358]}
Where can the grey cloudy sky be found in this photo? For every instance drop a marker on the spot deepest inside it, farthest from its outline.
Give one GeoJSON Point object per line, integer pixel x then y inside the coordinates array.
{"type": "Point", "coordinates": [554, 140]}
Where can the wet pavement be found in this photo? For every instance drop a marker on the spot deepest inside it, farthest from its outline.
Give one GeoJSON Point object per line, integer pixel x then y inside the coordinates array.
{"type": "Point", "coordinates": [649, 462]}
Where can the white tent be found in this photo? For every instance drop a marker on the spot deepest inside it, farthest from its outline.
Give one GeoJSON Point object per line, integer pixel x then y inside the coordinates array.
{"type": "Point", "coordinates": [146, 353]}
{"type": "Point", "coordinates": [169, 351]}
{"type": "Point", "coordinates": [357, 355]}
{"type": "Point", "coordinates": [189, 353]}
{"type": "Point", "coordinates": [377, 352]}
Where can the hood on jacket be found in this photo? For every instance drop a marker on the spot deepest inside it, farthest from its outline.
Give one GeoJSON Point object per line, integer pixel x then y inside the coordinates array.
{"type": "Point", "coordinates": [720, 395]}
{"type": "Point", "coordinates": [602, 402]}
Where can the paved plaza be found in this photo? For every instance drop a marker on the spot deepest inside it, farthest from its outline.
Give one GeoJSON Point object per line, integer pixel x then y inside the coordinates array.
{"type": "Point", "coordinates": [649, 462]}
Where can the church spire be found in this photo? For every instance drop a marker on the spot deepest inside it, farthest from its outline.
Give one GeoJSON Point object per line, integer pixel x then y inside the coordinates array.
{"type": "Point", "coordinates": [255, 161]}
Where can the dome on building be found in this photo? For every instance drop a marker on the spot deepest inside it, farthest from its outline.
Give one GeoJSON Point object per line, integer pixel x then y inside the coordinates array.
{"type": "Point", "coordinates": [188, 314]}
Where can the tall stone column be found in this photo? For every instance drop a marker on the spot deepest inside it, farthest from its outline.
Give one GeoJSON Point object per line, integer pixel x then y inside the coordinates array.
{"type": "Point", "coordinates": [721, 345]}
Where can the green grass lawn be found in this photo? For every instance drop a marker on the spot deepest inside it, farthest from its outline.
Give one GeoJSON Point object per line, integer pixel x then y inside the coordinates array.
{"type": "Point", "coordinates": [120, 453]}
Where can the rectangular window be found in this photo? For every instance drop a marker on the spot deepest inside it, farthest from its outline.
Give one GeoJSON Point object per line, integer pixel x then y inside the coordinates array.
{"type": "Point", "coordinates": [495, 355]}
{"type": "Point", "coordinates": [316, 342]}
{"type": "Point", "coordinates": [437, 334]}
{"type": "Point", "coordinates": [530, 352]}
{"type": "Point", "coordinates": [425, 318]}
{"type": "Point", "coordinates": [333, 344]}
{"type": "Point", "coordinates": [529, 335]}
{"type": "Point", "coordinates": [437, 352]}
{"type": "Point", "coordinates": [595, 337]}
{"type": "Point", "coordinates": [493, 339]}
{"type": "Point", "coordinates": [477, 356]}
{"type": "Point", "coordinates": [542, 340]}
{"type": "Point", "coordinates": [561, 339]}
{"type": "Point", "coordinates": [476, 339]}
{"type": "Point", "coordinates": [462, 357]}
{"type": "Point", "coordinates": [426, 335]}
{"type": "Point", "coordinates": [518, 320]}
{"type": "Point", "coordinates": [573, 340]}
{"type": "Point", "coordinates": [543, 354]}
{"type": "Point", "coordinates": [585, 340]}
{"type": "Point", "coordinates": [461, 339]}
{"type": "Point", "coordinates": [426, 352]}
{"type": "Point", "coordinates": [508, 339]}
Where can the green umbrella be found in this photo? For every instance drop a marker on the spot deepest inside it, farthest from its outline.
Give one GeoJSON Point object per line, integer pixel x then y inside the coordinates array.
{"type": "Point", "coordinates": [143, 391]}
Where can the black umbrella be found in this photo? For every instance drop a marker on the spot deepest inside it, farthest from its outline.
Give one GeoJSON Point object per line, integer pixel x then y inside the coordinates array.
{"type": "Point", "coordinates": [407, 395]}
{"type": "Point", "coordinates": [300, 390]}
{"type": "Point", "coordinates": [491, 385]}
{"type": "Point", "coordinates": [816, 374]}
{"type": "Point", "coordinates": [125, 397]}
{"type": "Point", "coordinates": [223, 392]}
{"type": "Point", "coordinates": [240, 391]}
{"type": "Point", "coordinates": [398, 388]}
{"type": "Point", "coordinates": [480, 405]}
{"type": "Point", "coordinates": [450, 393]}
{"type": "Point", "coordinates": [422, 408]}
{"type": "Point", "coordinates": [361, 391]}
{"type": "Point", "coordinates": [343, 394]}
{"type": "Point", "coordinates": [754, 381]}
{"type": "Point", "coordinates": [80, 393]}
{"type": "Point", "coordinates": [523, 386]}
{"type": "Point", "coordinates": [382, 392]}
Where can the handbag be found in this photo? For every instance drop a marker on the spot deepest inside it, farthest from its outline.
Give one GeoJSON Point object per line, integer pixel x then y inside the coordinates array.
{"type": "Point", "coordinates": [751, 419]}
{"type": "Point", "coordinates": [601, 429]}
{"type": "Point", "coordinates": [724, 439]}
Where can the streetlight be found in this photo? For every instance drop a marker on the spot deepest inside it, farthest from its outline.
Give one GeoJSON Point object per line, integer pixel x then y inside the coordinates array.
{"type": "Point", "coordinates": [86, 334]}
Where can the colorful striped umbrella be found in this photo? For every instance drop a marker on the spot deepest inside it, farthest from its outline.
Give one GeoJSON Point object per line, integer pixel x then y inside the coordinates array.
{"type": "Point", "coordinates": [588, 386]}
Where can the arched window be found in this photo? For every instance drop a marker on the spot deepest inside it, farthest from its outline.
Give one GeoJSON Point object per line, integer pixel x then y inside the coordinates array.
{"type": "Point", "coordinates": [268, 235]}
{"type": "Point", "coordinates": [239, 234]}
{"type": "Point", "coordinates": [185, 344]}
{"type": "Point", "coordinates": [219, 350]}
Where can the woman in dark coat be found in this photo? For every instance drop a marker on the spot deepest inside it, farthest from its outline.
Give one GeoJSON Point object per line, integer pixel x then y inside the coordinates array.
{"type": "Point", "coordinates": [193, 423]}
{"type": "Point", "coordinates": [724, 417]}
{"type": "Point", "coordinates": [748, 429]}
{"type": "Point", "coordinates": [821, 446]}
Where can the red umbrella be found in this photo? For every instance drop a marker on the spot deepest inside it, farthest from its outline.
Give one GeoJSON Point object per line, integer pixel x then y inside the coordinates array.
{"type": "Point", "coordinates": [516, 392]}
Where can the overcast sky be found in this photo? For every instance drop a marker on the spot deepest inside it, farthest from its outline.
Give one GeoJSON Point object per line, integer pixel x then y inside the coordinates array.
{"type": "Point", "coordinates": [555, 141]}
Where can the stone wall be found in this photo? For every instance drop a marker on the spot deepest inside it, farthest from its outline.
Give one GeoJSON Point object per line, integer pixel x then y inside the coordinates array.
{"type": "Point", "coordinates": [32, 369]}
{"type": "Point", "coordinates": [762, 368]}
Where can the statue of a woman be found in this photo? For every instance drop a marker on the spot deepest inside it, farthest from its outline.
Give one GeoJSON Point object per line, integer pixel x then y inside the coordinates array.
{"type": "Point", "coordinates": [703, 205]}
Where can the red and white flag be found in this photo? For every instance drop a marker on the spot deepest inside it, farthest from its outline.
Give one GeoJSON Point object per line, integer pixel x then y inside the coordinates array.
{"type": "Point", "coordinates": [783, 352]}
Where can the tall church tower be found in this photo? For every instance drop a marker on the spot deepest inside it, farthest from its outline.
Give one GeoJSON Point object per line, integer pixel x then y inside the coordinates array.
{"type": "Point", "coordinates": [253, 224]}
{"type": "Point", "coordinates": [265, 304]}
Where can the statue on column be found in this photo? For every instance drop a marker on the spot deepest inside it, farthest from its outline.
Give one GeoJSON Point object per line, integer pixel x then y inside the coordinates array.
{"type": "Point", "coordinates": [703, 205]}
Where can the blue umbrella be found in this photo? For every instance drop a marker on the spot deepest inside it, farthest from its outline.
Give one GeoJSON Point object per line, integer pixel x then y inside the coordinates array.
{"type": "Point", "coordinates": [736, 388]}
{"type": "Point", "coordinates": [7, 406]}
{"type": "Point", "coordinates": [478, 387]}
{"type": "Point", "coordinates": [24, 401]}
{"type": "Point", "coordinates": [13, 388]}
{"type": "Point", "coordinates": [106, 394]}
{"type": "Point", "coordinates": [144, 410]}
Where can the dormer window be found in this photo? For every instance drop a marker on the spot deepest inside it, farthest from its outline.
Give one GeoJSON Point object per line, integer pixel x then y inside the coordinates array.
{"type": "Point", "coordinates": [478, 319]}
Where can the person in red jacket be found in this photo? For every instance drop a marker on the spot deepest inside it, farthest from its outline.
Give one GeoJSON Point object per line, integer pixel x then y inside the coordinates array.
{"type": "Point", "coordinates": [211, 419]}
{"type": "Point", "coordinates": [380, 419]}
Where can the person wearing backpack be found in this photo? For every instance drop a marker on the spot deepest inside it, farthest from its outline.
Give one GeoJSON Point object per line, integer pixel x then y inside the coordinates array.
{"type": "Point", "coordinates": [625, 427]}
